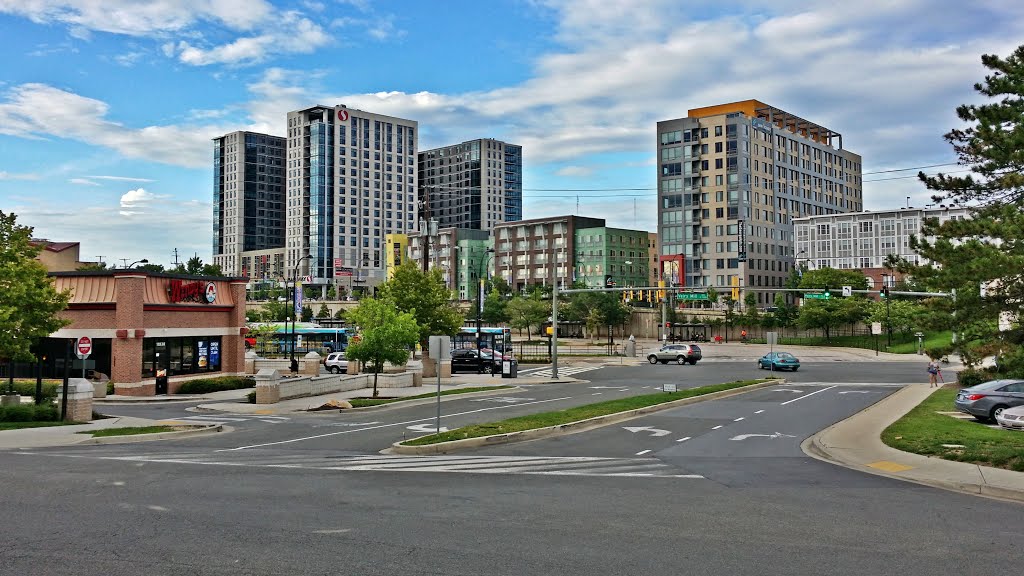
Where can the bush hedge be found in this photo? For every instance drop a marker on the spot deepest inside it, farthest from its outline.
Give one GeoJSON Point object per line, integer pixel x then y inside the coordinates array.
{"type": "Point", "coordinates": [968, 378]}
{"type": "Point", "coordinates": [29, 413]}
{"type": "Point", "coordinates": [207, 385]}
{"type": "Point", "coordinates": [28, 388]}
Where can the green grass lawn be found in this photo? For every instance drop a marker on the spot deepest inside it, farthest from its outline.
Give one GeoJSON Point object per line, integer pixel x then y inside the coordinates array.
{"type": "Point", "coordinates": [924, 431]}
{"type": "Point", "coordinates": [129, 431]}
{"type": "Point", "coordinates": [366, 402]}
{"type": "Point", "coordinates": [576, 414]}
{"type": "Point", "coordinates": [20, 425]}
{"type": "Point", "coordinates": [900, 343]}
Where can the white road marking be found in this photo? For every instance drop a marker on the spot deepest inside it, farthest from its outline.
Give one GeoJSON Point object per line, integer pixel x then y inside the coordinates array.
{"type": "Point", "coordinates": [655, 432]}
{"type": "Point", "coordinates": [642, 452]}
{"type": "Point", "coordinates": [393, 424]}
{"type": "Point", "coordinates": [597, 393]}
{"type": "Point", "coordinates": [683, 439]}
{"type": "Point", "coordinates": [861, 392]}
{"type": "Point", "coordinates": [788, 390]}
{"type": "Point", "coordinates": [502, 399]}
{"type": "Point", "coordinates": [428, 428]}
{"type": "Point", "coordinates": [807, 395]}
{"type": "Point", "coordinates": [717, 427]}
{"type": "Point", "coordinates": [775, 435]}
{"type": "Point", "coordinates": [738, 419]}
{"type": "Point", "coordinates": [157, 508]}
{"type": "Point", "coordinates": [759, 411]}
{"type": "Point", "coordinates": [338, 531]}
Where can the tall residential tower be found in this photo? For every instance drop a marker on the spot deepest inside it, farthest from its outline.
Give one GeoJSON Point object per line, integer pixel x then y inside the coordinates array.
{"type": "Point", "coordinates": [730, 180]}
{"type": "Point", "coordinates": [248, 197]}
{"type": "Point", "coordinates": [476, 184]}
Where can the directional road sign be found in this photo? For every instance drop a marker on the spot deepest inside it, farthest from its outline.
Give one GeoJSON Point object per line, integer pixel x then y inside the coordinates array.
{"type": "Point", "coordinates": [692, 296]}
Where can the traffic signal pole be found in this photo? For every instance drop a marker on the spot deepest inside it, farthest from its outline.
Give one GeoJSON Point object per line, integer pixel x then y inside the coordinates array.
{"type": "Point", "coordinates": [554, 331]}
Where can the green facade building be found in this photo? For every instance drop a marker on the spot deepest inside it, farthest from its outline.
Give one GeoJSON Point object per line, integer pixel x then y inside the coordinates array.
{"type": "Point", "coordinates": [613, 255]}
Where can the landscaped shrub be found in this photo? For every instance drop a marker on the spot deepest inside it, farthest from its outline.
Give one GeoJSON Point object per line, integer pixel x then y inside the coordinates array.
{"type": "Point", "coordinates": [29, 413]}
{"type": "Point", "coordinates": [251, 397]}
{"type": "Point", "coordinates": [207, 385]}
{"type": "Point", "coordinates": [968, 378]}
{"type": "Point", "coordinates": [28, 388]}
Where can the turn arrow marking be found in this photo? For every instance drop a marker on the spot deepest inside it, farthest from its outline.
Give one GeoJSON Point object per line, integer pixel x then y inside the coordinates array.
{"type": "Point", "coordinates": [654, 431]}
{"type": "Point", "coordinates": [426, 428]}
{"type": "Point", "coordinates": [776, 435]}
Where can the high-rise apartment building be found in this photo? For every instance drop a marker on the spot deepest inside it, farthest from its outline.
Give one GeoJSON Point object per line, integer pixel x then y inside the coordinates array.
{"type": "Point", "coordinates": [475, 184]}
{"type": "Point", "coordinates": [351, 181]}
{"type": "Point", "coordinates": [730, 180]}
{"type": "Point", "coordinates": [248, 197]}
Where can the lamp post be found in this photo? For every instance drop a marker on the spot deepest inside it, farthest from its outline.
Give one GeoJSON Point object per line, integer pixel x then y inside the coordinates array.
{"type": "Point", "coordinates": [143, 261]}
{"type": "Point", "coordinates": [480, 297]}
{"type": "Point", "coordinates": [888, 323]}
{"type": "Point", "coordinates": [294, 365]}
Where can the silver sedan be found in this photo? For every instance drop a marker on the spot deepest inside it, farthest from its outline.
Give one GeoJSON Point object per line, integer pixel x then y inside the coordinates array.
{"type": "Point", "coordinates": [1011, 418]}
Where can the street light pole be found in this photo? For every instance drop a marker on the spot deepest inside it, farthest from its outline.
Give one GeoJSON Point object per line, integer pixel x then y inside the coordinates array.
{"type": "Point", "coordinates": [888, 323]}
{"type": "Point", "coordinates": [294, 364]}
{"type": "Point", "coordinates": [480, 297]}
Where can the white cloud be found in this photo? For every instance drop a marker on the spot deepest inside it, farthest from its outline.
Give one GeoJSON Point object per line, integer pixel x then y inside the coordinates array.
{"type": "Point", "coordinates": [575, 171]}
{"type": "Point", "coordinates": [290, 34]}
{"type": "Point", "coordinates": [83, 182]}
{"type": "Point", "coordinates": [12, 176]}
{"type": "Point", "coordinates": [121, 178]}
{"type": "Point", "coordinates": [139, 201]}
{"type": "Point", "coordinates": [129, 59]}
{"type": "Point", "coordinates": [38, 110]}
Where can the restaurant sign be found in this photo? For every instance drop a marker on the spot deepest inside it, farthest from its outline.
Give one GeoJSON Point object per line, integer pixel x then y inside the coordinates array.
{"type": "Point", "coordinates": [202, 292]}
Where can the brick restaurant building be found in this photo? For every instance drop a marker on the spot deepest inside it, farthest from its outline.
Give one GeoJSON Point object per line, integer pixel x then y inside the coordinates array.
{"type": "Point", "coordinates": [146, 324]}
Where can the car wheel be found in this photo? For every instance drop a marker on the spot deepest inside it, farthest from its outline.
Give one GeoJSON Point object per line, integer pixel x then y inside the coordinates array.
{"type": "Point", "coordinates": [680, 360]}
{"type": "Point", "coordinates": [760, 366]}
{"type": "Point", "coordinates": [693, 362]}
{"type": "Point", "coordinates": [795, 368]}
{"type": "Point", "coordinates": [333, 369]}
{"type": "Point", "coordinates": [652, 359]}
{"type": "Point", "coordinates": [997, 411]}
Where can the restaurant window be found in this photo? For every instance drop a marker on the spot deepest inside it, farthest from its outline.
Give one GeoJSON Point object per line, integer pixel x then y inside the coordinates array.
{"type": "Point", "coordinates": [186, 355]}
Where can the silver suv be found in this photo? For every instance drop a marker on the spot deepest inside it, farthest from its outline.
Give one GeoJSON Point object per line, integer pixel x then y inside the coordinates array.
{"type": "Point", "coordinates": [680, 353]}
{"type": "Point", "coordinates": [335, 363]}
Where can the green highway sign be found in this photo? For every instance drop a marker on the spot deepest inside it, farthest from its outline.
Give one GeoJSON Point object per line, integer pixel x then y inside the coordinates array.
{"type": "Point", "coordinates": [692, 296]}
{"type": "Point", "coordinates": [818, 295]}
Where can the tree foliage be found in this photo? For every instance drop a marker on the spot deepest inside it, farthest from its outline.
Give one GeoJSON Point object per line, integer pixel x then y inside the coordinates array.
{"type": "Point", "coordinates": [385, 335]}
{"type": "Point", "coordinates": [826, 315]}
{"type": "Point", "coordinates": [528, 311]}
{"type": "Point", "coordinates": [494, 307]}
{"type": "Point", "coordinates": [29, 302]}
{"type": "Point", "coordinates": [986, 250]}
{"type": "Point", "coordinates": [426, 297]}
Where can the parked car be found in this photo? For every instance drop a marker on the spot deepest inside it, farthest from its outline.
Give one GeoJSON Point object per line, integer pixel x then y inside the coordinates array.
{"type": "Point", "coordinates": [779, 361]}
{"type": "Point", "coordinates": [335, 363]}
{"type": "Point", "coordinates": [479, 361]}
{"type": "Point", "coordinates": [680, 353]}
{"type": "Point", "coordinates": [1011, 418]}
{"type": "Point", "coordinates": [987, 400]}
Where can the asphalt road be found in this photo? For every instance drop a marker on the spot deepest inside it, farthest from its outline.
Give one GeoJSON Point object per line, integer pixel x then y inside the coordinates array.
{"type": "Point", "coordinates": [736, 496]}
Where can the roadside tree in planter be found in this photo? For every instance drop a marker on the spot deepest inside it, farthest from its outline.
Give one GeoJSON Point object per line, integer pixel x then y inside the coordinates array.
{"type": "Point", "coordinates": [385, 335]}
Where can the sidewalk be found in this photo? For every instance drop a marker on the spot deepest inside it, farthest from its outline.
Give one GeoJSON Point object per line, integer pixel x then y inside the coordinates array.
{"type": "Point", "coordinates": [64, 435]}
{"type": "Point", "coordinates": [222, 395]}
{"type": "Point", "coordinates": [855, 443]}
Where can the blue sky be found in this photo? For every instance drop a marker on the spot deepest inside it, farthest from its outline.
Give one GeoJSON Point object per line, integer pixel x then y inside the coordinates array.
{"type": "Point", "coordinates": [107, 107]}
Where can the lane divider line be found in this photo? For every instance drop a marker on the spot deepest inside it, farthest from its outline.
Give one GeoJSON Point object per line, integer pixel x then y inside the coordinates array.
{"type": "Point", "coordinates": [683, 439]}
{"type": "Point", "coordinates": [807, 395]}
{"type": "Point", "coordinates": [738, 419]}
{"type": "Point", "coordinates": [717, 427]}
{"type": "Point", "coordinates": [759, 411]}
{"type": "Point", "coordinates": [642, 452]}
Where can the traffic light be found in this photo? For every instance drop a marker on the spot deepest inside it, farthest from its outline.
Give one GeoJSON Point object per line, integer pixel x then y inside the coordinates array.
{"type": "Point", "coordinates": [661, 293]}
{"type": "Point", "coordinates": [735, 288]}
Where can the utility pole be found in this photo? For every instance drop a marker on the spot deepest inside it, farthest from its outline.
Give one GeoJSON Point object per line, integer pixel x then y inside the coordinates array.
{"type": "Point", "coordinates": [176, 261]}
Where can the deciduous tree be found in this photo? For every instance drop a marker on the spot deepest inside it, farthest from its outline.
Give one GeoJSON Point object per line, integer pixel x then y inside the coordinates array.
{"type": "Point", "coordinates": [385, 335]}
{"type": "Point", "coordinates": [29, 302]}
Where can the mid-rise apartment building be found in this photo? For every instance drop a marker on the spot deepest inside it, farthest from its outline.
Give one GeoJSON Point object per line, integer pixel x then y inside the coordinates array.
{"type": "Point", "coordinates": [248, 197]}
{"type": "Point", "coordinates": [539, 251]}
{"type": "Point", "coordinates": [732, 177]}
{"type": "Point", "coordinates": [475, 184]}
{"type": "Point", "coordinates": [612, 255]}
{"type": "Point", "coordinates": [863, 240]}
{"type": "Point", "coordinates": [351, 181]}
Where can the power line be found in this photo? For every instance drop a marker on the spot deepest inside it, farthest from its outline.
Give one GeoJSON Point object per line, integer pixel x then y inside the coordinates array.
{"type": "Point", "coordinates": [914, 176]}
{"type": "Point", "coordinates": [905, 169]}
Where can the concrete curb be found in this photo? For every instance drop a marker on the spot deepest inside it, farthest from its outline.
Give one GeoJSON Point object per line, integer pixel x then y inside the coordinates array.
{"type": "Point", "coordinates": [815, 447]}
{"type": "Point", "coordinates": [146, 400]}
{"type": "Point", "coordinates": [567, 428]}
{"type": "Point", "coordinates": [196, 431]}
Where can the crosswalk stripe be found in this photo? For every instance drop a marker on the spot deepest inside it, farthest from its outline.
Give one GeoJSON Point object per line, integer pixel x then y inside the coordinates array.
{"type": "Point", "coordinates": [526, 465]}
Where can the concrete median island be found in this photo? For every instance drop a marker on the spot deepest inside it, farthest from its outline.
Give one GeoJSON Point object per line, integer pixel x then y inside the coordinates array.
{"type": "Point", "coordinates": [575, 419]}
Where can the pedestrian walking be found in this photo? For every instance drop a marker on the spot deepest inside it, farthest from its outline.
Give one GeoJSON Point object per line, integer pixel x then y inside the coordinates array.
{"type": "Point", "coordinates": [933, 373]}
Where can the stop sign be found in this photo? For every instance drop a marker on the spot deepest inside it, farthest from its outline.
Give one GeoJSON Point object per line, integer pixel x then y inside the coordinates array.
{"type": "Point", "coordinates": [84, 346]}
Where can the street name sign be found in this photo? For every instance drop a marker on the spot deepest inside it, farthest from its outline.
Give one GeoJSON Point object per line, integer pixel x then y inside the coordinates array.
{"type": "Point", "coordinates": [692, 296]}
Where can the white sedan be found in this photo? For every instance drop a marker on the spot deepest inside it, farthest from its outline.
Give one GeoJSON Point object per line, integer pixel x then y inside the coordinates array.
{"type": "Point", "coordinates": [1011, 418]}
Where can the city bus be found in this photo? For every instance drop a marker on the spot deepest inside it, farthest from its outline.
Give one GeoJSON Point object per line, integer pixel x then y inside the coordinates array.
{"type": "Point", "coordinates": [308, 337]}
{"type": "Point", "coordinates": [493, 337]}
